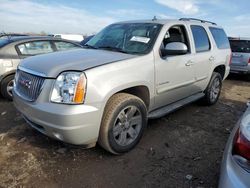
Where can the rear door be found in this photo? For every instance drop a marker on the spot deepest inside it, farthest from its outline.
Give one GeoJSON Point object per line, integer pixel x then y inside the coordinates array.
{"type": "Point", "coordinates": [202, 57]}
{"type": "Point", "coordinates": [241, 52]}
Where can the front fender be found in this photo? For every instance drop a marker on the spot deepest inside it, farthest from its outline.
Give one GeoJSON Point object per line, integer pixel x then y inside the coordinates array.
{"type": "Point", "coordinates": [106, 80]}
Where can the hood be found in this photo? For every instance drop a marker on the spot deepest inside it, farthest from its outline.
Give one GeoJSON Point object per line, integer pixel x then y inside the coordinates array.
{"type": "Point", "coordinates": [51, 65]}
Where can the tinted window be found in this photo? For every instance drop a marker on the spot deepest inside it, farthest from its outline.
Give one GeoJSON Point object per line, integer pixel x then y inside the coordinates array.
{"type": "Point", "coordinates": [61, 46]}
{"type": "Point", "coordinates": [34, 48]}
{"type": "Point", "coordinates": [220, 38]}
{"type": "Point", "coordinates": [242, 46]}
{"type": "Point", "coordinates": [201, 40]}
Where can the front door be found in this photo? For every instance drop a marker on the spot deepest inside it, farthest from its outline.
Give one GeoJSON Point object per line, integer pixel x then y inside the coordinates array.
{"type": "Point", "coordinates": [175, 75]}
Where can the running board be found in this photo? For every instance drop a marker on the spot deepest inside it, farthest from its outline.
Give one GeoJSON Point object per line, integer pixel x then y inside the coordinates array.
{"type": "Point", "coordinates": [174, 106]}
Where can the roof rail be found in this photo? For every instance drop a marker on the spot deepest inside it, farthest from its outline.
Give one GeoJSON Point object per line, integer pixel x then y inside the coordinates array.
{"type": "Point", "coordinates": [195, 19]}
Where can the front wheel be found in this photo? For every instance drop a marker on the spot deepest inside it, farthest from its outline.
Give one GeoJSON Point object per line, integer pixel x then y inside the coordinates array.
{"type": "Point", "coordinates": [212, 93]}
{"type": "Point", "coordinates": [7, 85]}
{"type": "Point", "coordinates": [123, 123]}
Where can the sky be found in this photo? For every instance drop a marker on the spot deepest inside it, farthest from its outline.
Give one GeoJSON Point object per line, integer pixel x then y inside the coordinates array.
{"type": "Point", "coordinates": [88, 17]}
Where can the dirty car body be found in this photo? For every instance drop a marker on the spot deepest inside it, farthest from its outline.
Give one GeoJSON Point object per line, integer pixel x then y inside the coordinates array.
{"type": "Point", "coordinates": [129, 69]}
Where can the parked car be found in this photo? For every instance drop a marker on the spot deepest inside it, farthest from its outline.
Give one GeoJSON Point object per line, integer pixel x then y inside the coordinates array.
{"type": "Point", "coordinates": [8, 35]}
{"type": "Point", "coordinates": [130, 71]}
{"type": "Point", "coordinates": [235, 168]}
{"type": "Point", "coordinates": [86, 39]}
{"type": "Point", "coordinates": [13, 49]}
{"type": "Point", "coordinates": [241, 56]}
{"type": "Point", "coordinates": [73, 37]}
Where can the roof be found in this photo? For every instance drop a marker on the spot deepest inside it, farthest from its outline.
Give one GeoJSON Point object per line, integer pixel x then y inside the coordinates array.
{"type": "Point", "coordinates": [17, 39]}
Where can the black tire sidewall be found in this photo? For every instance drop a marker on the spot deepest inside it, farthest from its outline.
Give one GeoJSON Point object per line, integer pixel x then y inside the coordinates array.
{"type": "Point", "coordinates": [208, 91]}
{"type": "Point", "coordinates": [141, 107]}
{"type": "Point", "coordinates": [4, 85]}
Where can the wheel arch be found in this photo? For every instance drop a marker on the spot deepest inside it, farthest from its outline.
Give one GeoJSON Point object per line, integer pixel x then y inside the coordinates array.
{"type": "Point", "coordinates": [3, 76]}
{"type": "Point", "coordinates": [141, 91]}
{"type": "Point", "coordinates": [221, 69]}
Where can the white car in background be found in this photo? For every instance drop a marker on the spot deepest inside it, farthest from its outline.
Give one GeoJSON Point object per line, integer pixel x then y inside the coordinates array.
{"type": "Point", "coordinates": [73, 37]}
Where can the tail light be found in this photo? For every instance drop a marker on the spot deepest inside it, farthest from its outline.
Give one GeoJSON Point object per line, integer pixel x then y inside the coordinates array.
{"type": "Point", "coordinates": [241, 145]}
{"type": "Point", "coordinates": [230, 60]}
{"type": "Point", "coordinates": [249, 61]}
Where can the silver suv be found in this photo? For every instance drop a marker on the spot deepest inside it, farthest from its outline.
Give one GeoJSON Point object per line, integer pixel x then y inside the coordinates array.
{"type": "Point", "coordinates": [241, 56]}
{"type": "Point", "coordinates": [129, 72]}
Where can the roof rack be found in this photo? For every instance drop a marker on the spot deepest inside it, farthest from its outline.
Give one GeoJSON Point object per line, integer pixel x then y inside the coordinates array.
{"type": "Point", "coordinates": [195, 19]}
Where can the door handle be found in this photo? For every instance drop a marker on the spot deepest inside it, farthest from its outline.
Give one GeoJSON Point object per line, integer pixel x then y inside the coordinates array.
{"type": "Point", "coordinates": [211, 58]}
{"type": "Point", "coordinates": [189, 63]}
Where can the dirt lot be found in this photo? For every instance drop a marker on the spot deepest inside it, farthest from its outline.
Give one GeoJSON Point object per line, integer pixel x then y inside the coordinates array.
{"type": "Point", "coordinates": [183, 149]}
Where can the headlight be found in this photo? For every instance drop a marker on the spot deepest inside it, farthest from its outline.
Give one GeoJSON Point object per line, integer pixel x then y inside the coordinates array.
{"type": "Point", "coordinates": [69, 88]}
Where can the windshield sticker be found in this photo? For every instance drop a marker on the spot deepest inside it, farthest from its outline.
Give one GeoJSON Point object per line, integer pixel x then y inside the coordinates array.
{"type": "Point", "coordinates": [140, 39]}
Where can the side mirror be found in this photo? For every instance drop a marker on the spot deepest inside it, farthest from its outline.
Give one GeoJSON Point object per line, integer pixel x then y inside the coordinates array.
{"type": "Point", "coordinates": [174, 48]}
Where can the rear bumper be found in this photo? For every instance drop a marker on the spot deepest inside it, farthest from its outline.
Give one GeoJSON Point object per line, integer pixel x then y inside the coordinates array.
{"type": "Point", "coordinates": [240, 69]}
{"type": "Point", "coordinates": [73, 124]}
{"type": "Point", "coordinates": [232, 175]}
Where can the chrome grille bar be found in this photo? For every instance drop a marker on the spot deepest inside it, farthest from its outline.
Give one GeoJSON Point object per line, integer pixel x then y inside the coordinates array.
{"type": "Point", "coordinates": [28, 85]}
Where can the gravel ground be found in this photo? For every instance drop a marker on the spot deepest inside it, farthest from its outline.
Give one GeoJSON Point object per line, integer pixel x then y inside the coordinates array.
{"type": "Point", "coordinates": [183, 149]}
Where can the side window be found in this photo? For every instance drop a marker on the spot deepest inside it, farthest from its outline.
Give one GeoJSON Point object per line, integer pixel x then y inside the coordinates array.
{"type": "Point", "coordinates": [61, 46]}
{"type": "Point", "coordinates": [176, 34]}
{"type": "Point", "coordinates": [201, 40]}
{"type": "Point", "coordinates": [35, 48]}
{"type": "Point", "coordinates": [220, 38]}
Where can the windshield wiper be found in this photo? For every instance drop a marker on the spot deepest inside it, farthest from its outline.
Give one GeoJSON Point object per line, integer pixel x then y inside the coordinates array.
{"type": "Point", "coordinates": [89, 46]}
{"type": "Point", "coordinates": [112, 48]}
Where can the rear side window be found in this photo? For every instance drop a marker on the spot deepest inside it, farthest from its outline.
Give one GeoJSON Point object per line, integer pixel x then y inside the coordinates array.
{"type": "Point", "coordinates": [35, 48]}
{"type": "Point", "coordinates": [242, 46]}
{"type": "Point", "coordinates": [61, 46]}
{"type": "Point", "coordinates": [220, 38]}
{"type": "Point", "coordinates": [201, 40]}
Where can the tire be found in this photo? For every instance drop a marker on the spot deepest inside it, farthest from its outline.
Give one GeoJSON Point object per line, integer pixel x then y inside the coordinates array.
{"type": "Point", "coordinates": [118, 134]}
{"type": "Point", "coordinates": [7, 86]}
{"type": "Point", "coordinates": [212, 93]}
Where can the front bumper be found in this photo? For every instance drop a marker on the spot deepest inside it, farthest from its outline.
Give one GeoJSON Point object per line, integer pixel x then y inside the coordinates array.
{"type": "Point", "coordinates": [73, 124]}
{"type": "Point", "coordinates": [232, 175]}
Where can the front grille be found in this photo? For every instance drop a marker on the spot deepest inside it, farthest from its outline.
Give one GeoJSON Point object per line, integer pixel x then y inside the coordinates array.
{"type": "Point", "coordinates": [28, 85]}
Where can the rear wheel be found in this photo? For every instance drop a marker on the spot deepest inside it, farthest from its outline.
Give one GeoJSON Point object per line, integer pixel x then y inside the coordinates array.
{"type": "Point", "coordinates": [7, 85]}
{"type": "Point", "coordinates": [212, 93]}
{"type": "Point", "coordinates": [123, 123]}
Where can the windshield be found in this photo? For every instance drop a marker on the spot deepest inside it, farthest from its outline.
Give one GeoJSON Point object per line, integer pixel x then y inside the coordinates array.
{"type": "Point", "coordinates": [130, 38]}
{"type": "Point", "coordinates": [242, 46]}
